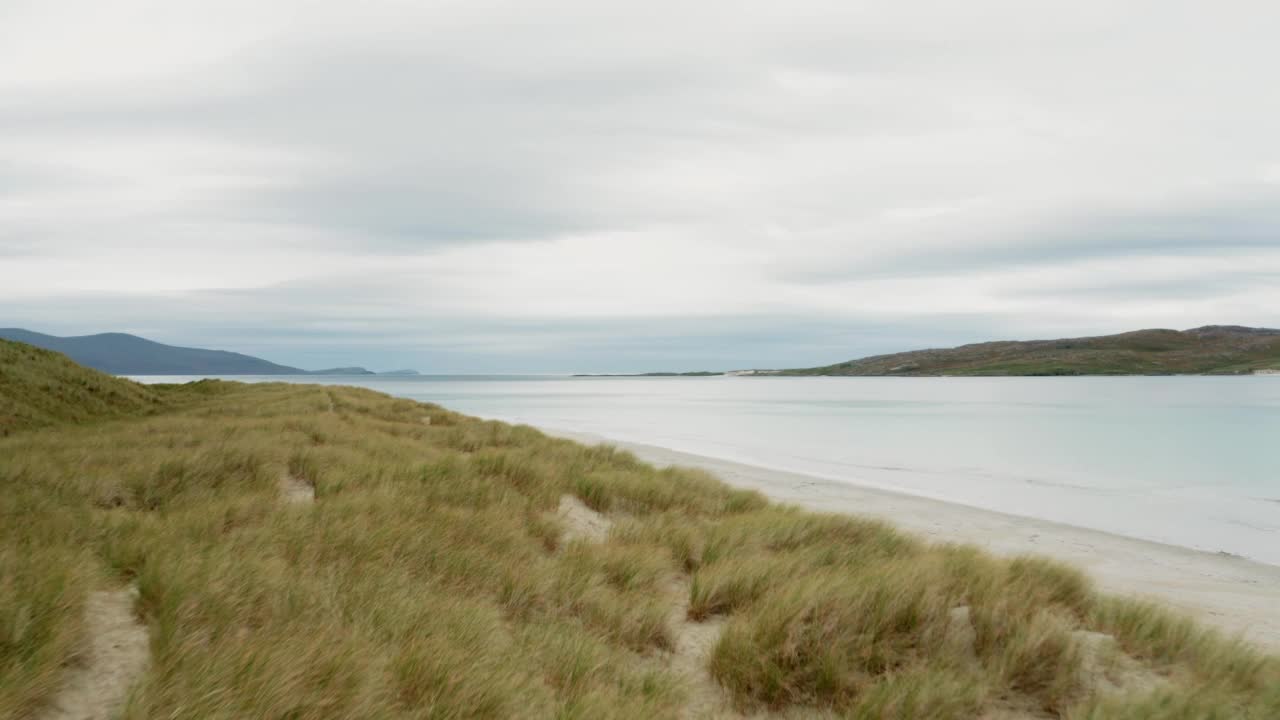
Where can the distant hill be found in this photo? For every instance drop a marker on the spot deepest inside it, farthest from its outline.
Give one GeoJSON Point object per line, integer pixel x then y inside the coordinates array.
{"type": "Point", "coordinates": [39, 387]}
{"type": "Point", "coordinates": [1214, 349]}
{"type": "Point", "coordinates": [122, 354]}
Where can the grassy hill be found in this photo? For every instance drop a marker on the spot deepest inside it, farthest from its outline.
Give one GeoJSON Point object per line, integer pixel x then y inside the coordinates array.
{"type": "Point", "coordinates": [1214, 349]}
{"type": "Point", "coordinates": [323, 552]}
{"type": "Point", "coordinates": [39, 387]}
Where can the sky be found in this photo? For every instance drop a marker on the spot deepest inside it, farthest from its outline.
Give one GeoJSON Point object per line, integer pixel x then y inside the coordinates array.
{"type": "Point", "coordinates": [569, 185]}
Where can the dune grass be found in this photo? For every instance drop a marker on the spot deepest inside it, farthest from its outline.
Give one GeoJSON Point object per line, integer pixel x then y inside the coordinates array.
{"type": "Point", "coordinates": [39, 388]}
{"type": "Point", "coordinates": [430, 578]}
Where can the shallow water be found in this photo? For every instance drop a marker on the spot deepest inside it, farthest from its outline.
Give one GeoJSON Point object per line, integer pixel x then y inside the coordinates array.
{"type": "Point", "coordinates": [1191, 461]}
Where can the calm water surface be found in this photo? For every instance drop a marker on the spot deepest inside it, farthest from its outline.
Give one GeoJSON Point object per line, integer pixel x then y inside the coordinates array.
{"type": "Point", "coordinates": [1192, 461]}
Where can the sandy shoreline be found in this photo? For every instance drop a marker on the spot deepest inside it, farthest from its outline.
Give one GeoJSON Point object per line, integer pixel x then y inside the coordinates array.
{"type": "Point", "coordinates": [1234, 594]}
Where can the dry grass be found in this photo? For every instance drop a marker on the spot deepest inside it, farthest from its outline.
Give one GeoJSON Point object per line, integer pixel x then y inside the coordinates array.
{"type": "Point", "coordinates": [39, 388]}
{"type": "Point", "coordinates": [428, 579]}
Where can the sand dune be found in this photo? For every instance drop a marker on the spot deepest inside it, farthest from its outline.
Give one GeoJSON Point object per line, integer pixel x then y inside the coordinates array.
{"type": "Point", "coordinates": [1234, 594]}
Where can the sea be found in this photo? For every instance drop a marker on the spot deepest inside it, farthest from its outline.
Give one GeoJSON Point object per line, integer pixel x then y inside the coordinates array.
{"type": "Point", "coordinates": [1189, 461]}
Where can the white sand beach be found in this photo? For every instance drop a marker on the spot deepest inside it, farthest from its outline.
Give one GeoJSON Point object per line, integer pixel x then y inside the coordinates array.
{"type": "Point", "coordinates": [1237, 595]}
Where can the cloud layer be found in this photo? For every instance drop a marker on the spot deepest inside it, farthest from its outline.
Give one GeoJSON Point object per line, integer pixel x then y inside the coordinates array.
{"type": "Point", "coordinates": [576, 186]}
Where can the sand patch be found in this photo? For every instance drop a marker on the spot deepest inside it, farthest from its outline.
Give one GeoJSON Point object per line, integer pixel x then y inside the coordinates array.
{"type": "Point", "coordinates": [296, 491]}
{"type": "Point", "coordinates": [117, 655]}
{"type": "Point", "coordinates": [1106, 670]}
{"type": "Point", "coordinates": [960, 632]}
{"type": "Point", "coordinates": [693, 643]}
{"type": "Point", "coordinates": [581, 522]}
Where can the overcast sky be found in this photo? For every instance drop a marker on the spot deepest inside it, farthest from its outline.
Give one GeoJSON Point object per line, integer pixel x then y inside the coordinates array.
{"type": "Point", "coordinates": [484, 186]}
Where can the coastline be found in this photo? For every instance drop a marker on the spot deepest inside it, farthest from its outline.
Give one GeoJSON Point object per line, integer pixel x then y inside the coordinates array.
{"type": "Point", "coordinates": [1236, 595]}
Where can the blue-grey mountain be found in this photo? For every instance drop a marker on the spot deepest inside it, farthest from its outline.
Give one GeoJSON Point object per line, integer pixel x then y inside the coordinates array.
{"type": "Point", "coordinates": [124, 354]}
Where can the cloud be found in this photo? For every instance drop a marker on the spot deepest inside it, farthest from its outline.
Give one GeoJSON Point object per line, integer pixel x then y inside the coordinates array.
{"type": "Point", "coordinates": [469, 178]}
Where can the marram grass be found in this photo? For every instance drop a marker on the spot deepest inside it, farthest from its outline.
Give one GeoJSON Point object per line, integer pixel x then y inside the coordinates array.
{"type": "Point", "coordinates": [430, 578]}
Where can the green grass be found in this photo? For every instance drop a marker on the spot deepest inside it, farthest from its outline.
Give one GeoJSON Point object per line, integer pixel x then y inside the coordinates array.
{"type": "Point", "coordinates": [429, 579]}
{"type": "Point", "coordinates": [39, 387]}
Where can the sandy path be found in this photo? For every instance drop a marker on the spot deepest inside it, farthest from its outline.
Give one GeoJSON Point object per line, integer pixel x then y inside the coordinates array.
{"type": "Point", "coordinates": [693, 641]}
{"type": "Point", "coordinates": [117, 654]}
{"type": "Point", "coordinates": [1237, 595]}
{"type": "Point", "coordinates": [118, 649]}
{"type": "Point", "coordinates": [581, 522]}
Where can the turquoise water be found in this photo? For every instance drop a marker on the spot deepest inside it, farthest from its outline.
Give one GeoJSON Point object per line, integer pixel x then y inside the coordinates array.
{"type": "Point", "coordinates": [1191, 461]}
